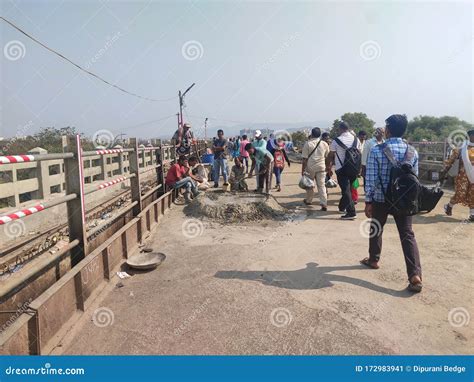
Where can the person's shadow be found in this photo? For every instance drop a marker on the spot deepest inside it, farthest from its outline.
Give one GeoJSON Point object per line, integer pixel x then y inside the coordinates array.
{"type": "Point", "coordinates": [311, 277]}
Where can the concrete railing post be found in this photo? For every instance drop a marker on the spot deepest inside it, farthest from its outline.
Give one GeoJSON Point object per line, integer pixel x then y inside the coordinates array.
{"type": "Point", "coordinates": [73, 174]}
{"type": "Point", "coordinates": [135, 181]}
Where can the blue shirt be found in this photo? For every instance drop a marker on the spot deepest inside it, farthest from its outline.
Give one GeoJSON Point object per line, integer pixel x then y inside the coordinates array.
{"type": "Point", "coordinates": [219, 143]}
{"type": "Point", "coordinates": [260, 154]}
{"type": "Point", "coordinates": [378, 163]}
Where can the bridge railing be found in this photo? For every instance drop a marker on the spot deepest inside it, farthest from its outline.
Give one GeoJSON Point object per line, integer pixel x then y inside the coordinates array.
{"type": "Point", "coordinates": [31, 285]}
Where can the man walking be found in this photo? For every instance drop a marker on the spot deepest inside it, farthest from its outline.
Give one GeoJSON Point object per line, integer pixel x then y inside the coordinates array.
{"type": "Point", "coordinates": [315, 152]}
{"type": "Point", "coordinates": [376, 207]}
{"type": "Point", "coordinates": [220, 161]}
{"type": "Point", "coordinates": [377, 139]}
{"type": "Point", "coordinates": [345, 154]}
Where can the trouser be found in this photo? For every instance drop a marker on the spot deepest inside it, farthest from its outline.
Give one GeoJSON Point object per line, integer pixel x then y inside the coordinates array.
{"type": "Point", "coordinates": [245, 160]}
{"type": "Point", "coordinates": [277, 171]}
{"type": "Point", "coordinates": [188, 184]}
{"type": "Point", "coordinates": [265, 178]}
{"type": "Point", "coordinates": [320, 178]}
{"type": "Point", "coordinates": [219, 166]}
{"type": "Point", "coordinates": [346, 203]}
{"type": "Point", "coordinates": [407, 238]}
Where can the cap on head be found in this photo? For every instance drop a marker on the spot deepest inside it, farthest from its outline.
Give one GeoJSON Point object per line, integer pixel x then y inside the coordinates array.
{"type": "Point", "coordinates": [187, 125]}
{"type": "Point", "coordinates": [258, 133]}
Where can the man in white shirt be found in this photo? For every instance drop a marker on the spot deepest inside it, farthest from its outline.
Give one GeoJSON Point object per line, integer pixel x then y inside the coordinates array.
{"type": "Point", "coordinates": [337, 156]}
{"type": "Point", "coordinates": [375, 140]}
{"type": "Point", "coordinates": [315, 152]}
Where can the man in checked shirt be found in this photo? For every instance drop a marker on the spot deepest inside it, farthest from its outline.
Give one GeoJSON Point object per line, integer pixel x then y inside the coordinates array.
{"type": "Point", "coordinates": [378, 176]}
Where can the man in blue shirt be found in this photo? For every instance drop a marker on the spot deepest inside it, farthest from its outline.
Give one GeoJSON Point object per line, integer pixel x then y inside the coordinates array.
{"type": "Point", "coordinates": [377, 181]}
{"type": "Point", "coordinates": [220, 160]}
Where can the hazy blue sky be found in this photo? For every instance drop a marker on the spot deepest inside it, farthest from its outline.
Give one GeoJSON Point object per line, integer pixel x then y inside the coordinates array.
{"type": "Point", "coordinates": [251, 61]}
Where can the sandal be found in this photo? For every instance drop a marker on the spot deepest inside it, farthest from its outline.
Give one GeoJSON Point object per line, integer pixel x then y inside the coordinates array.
{"type": "Point", "coordinates": [307, 203]}
{"type": "Point", "coordinates": [448, 210]}
{"type": "Point", "coordinates": [370, 264]}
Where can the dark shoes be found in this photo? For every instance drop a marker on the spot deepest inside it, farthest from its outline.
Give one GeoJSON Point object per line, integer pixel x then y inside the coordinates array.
{"type": "Point", "coordinates": [348, 216]}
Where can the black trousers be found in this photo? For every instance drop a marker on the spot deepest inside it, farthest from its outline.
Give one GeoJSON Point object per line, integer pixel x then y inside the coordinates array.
{"type": "Point", "coordinates": [407, 238]}
{"type": "Point", "coordinates": [346, 203]}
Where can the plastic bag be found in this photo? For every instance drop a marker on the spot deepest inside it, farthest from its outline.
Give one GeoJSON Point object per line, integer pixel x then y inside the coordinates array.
{"type": "Point", "coordinates": [306, 182]}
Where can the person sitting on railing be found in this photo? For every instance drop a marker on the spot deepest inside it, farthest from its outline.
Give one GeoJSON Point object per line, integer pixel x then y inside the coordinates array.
{"type": "Point", "coordinates": [179, 175]}
{"type": "Point", "coordinates": [200, 173]}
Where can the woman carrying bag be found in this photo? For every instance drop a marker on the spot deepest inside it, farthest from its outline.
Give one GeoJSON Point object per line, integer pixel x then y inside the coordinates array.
{"type": "Point", "coordinates": [462, 160]}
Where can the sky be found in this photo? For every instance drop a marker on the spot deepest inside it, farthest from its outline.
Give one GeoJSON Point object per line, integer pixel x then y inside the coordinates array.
{"type": "Point", "coordinates": [252, 62]}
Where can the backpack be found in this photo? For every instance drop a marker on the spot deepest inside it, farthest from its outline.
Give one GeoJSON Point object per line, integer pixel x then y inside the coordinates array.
{"type": "Point", "coordinates": [352, 159]}
{"type": "Point", "coordinates": [402, 195]}
{"type": "Point", "coordinates": [279, 159]}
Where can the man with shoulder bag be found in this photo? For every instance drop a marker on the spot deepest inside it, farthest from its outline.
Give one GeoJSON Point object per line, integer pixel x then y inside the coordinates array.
{"type": "Point", "coordinates": [392, 187]}
{"type": "Point", "coordinates": [315, 152]}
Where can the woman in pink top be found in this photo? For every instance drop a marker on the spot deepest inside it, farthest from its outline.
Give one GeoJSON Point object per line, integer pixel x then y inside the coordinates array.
{"type": "Point", "coordinates": [244, 155]}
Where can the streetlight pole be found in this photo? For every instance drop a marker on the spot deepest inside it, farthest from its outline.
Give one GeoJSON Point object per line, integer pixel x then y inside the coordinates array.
{"type": "Point", "coordinates": [205, 129]}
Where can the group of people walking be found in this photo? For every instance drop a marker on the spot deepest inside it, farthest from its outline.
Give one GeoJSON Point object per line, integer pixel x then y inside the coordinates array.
{"type": "Point", "coordinates": [383, 163]}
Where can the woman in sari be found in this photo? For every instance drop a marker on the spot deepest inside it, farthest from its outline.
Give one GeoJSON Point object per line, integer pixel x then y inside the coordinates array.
{"type": "Point", "coordinates": [464, 183]}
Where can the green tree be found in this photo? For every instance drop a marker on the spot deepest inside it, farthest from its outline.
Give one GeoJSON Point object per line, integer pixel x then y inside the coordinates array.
{"type": "Point", "coordinates": [48, 138]}
{"type": "Point", "coordinates": [357, 122]}
{"type": "Point", "coordinates": [434, 128]}
{"type": "Point", "coordinates": [299, 138]}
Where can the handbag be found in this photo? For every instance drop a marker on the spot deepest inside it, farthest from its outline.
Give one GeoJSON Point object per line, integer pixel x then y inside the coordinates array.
{"type": "Point", "coordinates": [305, 181]}
{"type": "Point", "coordinates": [428, 198]}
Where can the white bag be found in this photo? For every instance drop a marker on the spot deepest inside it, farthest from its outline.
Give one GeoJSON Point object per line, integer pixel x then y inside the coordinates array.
{"type": "Point", "coordinates": [454, 169]}
{"type": "Point", "coordinates": [306, 182]}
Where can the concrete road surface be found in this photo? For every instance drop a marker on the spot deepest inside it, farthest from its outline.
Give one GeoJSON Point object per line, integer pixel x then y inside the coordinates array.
{"type": "Point", "coordinates": [291, 287]}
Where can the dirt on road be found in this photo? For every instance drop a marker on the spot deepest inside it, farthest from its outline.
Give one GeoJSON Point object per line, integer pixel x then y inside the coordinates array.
{"type": "Point", "coordinates": [288, 286]}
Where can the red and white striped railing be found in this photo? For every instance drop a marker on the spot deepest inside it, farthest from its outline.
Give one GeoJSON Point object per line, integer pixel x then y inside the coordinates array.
{"type": "Point", "coordinates": [111, 182]}
{"type": "Point", "coordinates": [21, 214]}
{"type": "Point", "coordinates": [16, 159]}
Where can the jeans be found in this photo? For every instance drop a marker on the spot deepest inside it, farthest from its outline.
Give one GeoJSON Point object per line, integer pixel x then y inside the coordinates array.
{"type": "Point", "coordinates": [220, 165]}
{"type": "Point", "coordinates": [346, 203]}
{"type": "Point", "coordinates": [188, 184]}
{"type": "Point", "coordinates": [407, 238]}
{"type": "Point", "coordinates": [277, 172]}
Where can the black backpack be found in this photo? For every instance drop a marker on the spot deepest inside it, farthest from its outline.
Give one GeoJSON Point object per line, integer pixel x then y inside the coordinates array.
{"type": "Point", "coordinates": [402, 195]}
{"type": "Point", "coordinates": [352, 159]}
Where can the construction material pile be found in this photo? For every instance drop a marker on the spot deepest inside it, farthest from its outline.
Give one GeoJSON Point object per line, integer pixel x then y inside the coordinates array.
{"type": "Point", "coordinates": [226, 207]}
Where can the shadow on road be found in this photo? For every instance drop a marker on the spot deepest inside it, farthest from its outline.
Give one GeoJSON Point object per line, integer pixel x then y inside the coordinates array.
{"type": "Point", "coordinates": [311, 277]}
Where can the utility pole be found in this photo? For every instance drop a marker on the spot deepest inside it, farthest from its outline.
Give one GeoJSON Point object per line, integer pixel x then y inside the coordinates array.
{"type": "Point", "coordinates": [205, 129]}
{"type": "Point", "coordinates": [181, 104]}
